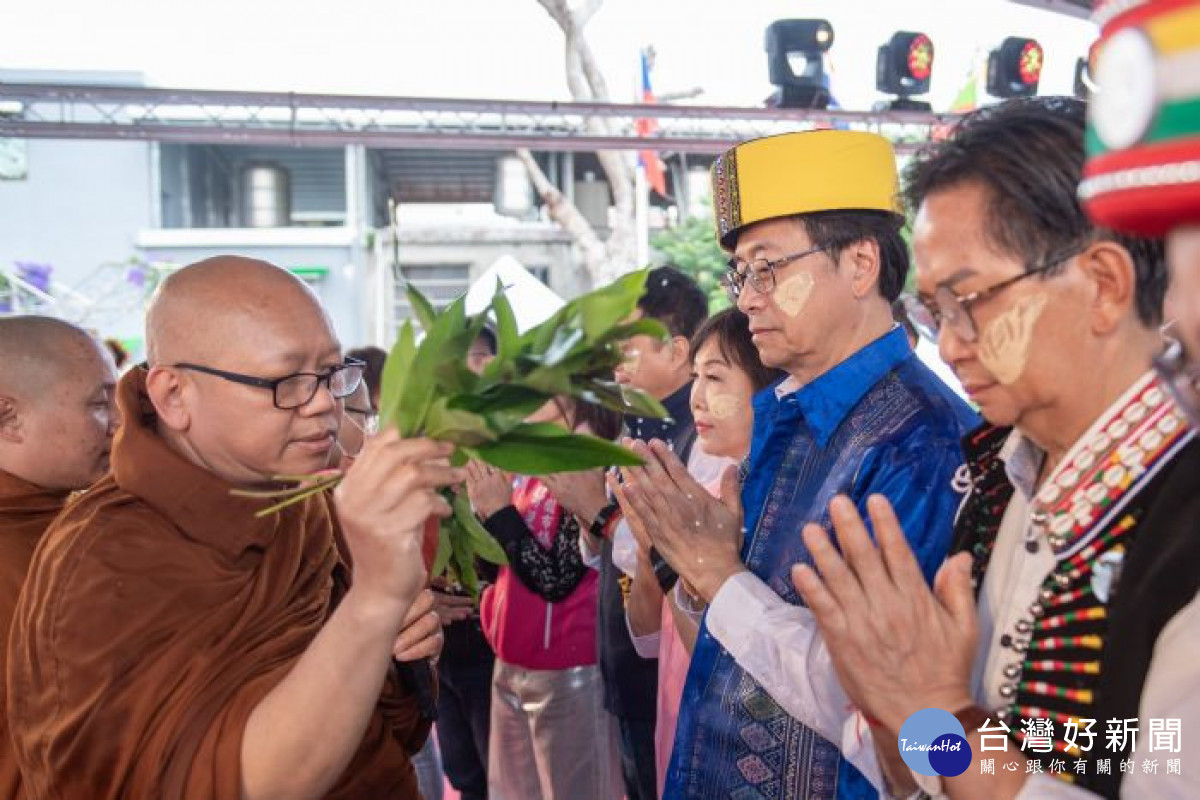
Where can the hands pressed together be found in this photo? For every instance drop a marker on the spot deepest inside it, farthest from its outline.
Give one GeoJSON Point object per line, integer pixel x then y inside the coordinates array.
{"type": "Point", "coordinates": [897, 646]}
{"type": "Point", "coordinates": [699, 535]}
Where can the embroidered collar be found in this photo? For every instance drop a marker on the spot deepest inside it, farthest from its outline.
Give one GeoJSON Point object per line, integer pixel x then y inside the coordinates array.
{"type": "Point", "coordinates": [1118, 455]}
{"type": "Point", "coordinates": [826, 400]}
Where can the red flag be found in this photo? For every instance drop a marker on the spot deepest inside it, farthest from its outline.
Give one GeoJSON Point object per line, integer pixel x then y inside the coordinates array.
{"type": "Point", "coordinates": [645, 126]}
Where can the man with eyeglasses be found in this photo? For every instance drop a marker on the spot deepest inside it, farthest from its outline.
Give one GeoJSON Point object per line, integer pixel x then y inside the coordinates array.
{"type": "Point", "coordinates": [169, 642]}
{"type": "Point", "coordinates": [811, 222]}
{"type": "Point", "coordinates": [1051, 323]}
{"type": "Point", "coordinates": [57, 420]}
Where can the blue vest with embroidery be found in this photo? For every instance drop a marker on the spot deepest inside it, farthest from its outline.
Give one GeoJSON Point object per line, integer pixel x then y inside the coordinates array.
{"type": "Point", "coordinates": [878, 423]}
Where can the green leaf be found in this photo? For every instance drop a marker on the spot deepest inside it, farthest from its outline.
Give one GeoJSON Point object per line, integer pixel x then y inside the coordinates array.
{"type": "Point", "coordinates": [442, 558]}
{"type": "Point", "coordinates": [395, 370]}
{"type": "Point", "coordinates": [507, 337]}
{"type": "Point", "coordinates": [485, 546]}
{"type": "Point", "coordinates": [540, 449]}
{"type": "Point", "coordinates": [566, 341]}
{"type": "Point", "coordinates": [420, 387]}
{"type": "Point", "coordinates": [645, 327]}
{"type": "Point", "coordinates": [421, 307]}
{"type": "Point", "coordinates": [452, 374]}
{"type": "Point", "coordinates": [600, 310]}
{"type": "Point", "coordinates": [462, 558]}
{"type": "Point", "coordinates": [501, 398]}
{"type": "Point", "coordinates": [549, 381]}
{"type": "Point", "coordinates": [622, 399]}
{"type": "Point", "coordinates": [453, 425]}
{"type": "Point", "coordinates": [537, 339]}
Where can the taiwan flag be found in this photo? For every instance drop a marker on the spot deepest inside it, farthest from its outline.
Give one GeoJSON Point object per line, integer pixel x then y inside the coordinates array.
{"type": "Point", "coordinates": [645, 126]}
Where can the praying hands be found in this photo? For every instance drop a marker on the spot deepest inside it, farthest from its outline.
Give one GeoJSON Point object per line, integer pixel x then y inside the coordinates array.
{"type": "Point", "coordinates": [697, 534]}
{"type": "Point", "coordinates": [897, 646]}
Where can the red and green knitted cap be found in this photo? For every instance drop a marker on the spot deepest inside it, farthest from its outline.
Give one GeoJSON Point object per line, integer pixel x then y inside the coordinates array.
{"type": "Point", "coordinates": [1143, 138]}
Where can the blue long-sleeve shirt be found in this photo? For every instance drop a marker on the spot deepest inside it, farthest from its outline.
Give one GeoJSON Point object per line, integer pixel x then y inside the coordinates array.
{"type": "Point", "coordinates": [878, 423]}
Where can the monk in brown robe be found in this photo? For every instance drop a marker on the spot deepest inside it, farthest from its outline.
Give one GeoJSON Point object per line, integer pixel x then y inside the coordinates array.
{"type": "Point", "coordinates": [169, 644]}
{"type": "Point", "coordinates": [57, 420]}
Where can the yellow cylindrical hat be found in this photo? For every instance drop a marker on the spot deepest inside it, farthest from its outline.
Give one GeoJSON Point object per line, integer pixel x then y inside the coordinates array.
{"type": "Point", "coordinates": [801, 173]}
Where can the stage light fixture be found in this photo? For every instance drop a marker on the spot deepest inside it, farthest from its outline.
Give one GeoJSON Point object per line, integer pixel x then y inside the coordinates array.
{"type": "Point", "coordinates": [1015, 67]}
{"type": "Point", "coordinates": [904, 67]}
{"type": "Point", "coordinates": [796, 62]}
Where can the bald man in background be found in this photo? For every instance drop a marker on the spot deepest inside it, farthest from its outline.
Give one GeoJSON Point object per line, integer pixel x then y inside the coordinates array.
{"type": "Point", "coordinates": [57, 420]}
{"type": "Point", "coordinates": [169, 644]}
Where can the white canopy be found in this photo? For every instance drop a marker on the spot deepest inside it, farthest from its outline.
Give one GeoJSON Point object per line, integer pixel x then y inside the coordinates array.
{"type": "Point", "coordinates": [532, 301]}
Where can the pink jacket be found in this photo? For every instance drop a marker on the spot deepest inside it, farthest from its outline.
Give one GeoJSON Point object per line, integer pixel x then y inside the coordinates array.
{"type": "Point", "coordinates": [524, 629]}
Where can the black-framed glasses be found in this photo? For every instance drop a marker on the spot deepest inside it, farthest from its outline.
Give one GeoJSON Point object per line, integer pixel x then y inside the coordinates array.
{"type": "Point", "coordinates": [1182, 377]}
{"type": "Point", "coordinates": [297, 389]}
{"type": "Point", "coordinates": [954, 310]}
{"type": "Point", "coordinates": [760, 272]}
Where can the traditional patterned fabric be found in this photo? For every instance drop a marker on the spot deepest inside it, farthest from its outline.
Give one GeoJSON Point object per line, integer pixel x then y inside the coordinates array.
{"type": "Point", "coordinates": [1089, 510]}
{"type": "Point", "coordinates": [801, 173]}
{"type": "Point", "coordinates": [880, 422]}
{"type": "Point", "coordinates": [1144, 128]}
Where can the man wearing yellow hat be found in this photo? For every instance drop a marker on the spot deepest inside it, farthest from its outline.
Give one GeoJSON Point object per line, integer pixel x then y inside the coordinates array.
{"type": "Point", "coordinates": [817, 259]}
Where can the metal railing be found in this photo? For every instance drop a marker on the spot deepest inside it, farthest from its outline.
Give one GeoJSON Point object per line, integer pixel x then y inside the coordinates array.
{"type": "Point", "coordinates": [287, 118]}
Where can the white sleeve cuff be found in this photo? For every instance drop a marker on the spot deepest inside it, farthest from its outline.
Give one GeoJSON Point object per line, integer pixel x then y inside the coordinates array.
{"type": "Point", "coordinates": [590, 557]}
{"type": "Point", "coordinates": [694, 609]}
{"type": "Point", "coordinates": [625, 549]}
{"type": "Point", "coordinates": [646, 646]}
{"type": "Point", "coordinates": [778, 644]}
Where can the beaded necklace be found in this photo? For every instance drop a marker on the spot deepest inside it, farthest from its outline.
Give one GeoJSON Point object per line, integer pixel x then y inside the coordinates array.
{"type": "Point", "coordinates": [1083, 510]}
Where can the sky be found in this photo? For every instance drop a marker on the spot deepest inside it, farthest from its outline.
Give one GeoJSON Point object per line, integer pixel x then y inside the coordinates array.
{"type": "Point", "coordinates": [507, 49]}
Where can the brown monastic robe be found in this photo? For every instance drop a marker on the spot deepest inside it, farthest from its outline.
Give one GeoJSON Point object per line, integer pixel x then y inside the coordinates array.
{"type": "Point", "coordinates": [156, 616]}
{"type": "Point", "coordinates": [25, 513]}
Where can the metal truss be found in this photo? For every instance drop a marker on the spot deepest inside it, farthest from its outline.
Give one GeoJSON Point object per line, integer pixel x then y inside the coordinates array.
{"type": "Point", "coordinates": [324, 120]}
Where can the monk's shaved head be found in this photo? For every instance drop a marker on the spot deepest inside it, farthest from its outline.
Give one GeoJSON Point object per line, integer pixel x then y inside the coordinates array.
{"type": "Point", "coordinates": [221, 334]}
{"type": "Point", "coordinates": [38, 352]}
{"type": "Point", "coordinates": [56, 403]}
{"type": "Point", "coordinates": [210, 307]}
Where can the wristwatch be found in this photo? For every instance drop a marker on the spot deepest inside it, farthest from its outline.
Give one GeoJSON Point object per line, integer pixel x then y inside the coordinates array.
{"type": "Point", "coordinates": [663, 572]}
{"type": "Point", "coordinates": [604, 520]}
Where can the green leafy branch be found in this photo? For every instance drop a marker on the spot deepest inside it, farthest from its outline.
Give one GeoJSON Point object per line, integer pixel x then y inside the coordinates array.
{"type": "Point", "coordinates": [427, 390]}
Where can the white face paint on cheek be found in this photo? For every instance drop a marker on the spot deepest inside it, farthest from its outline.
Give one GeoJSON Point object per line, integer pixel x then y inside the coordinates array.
{"type": "Point", "coordinates": [723, 405]}
{"type": "Point", "coordinates": [792, 294]}
{"type": "Point", "coordinates": [633, 360]}
{"type": "Point", "coordinates": [1004, 344]}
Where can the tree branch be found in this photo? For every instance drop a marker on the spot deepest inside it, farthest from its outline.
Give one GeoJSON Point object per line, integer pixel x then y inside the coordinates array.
{"type": "Point", "coordinates": [566, 214]}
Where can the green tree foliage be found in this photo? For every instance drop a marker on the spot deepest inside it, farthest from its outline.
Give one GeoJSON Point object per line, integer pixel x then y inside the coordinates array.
{"type": "Point", "coordinates": [692, 247]}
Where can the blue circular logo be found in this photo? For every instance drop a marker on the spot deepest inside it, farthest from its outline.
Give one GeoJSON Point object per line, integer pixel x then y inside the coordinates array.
{"type": "Point", "coordinates": [950, 756]}
{"type": "Point", "coordinates": [932, 742]}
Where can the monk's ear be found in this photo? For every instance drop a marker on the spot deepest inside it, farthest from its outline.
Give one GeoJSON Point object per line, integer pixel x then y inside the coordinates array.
{"type": "Point", "coordinates": [10, 420]}
{"type": "Point", "coordinates": [165, 388]}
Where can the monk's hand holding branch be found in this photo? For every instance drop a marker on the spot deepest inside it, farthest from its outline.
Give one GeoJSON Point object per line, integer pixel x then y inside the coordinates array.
{"type": "Point", "coordinates": [897, 646]}
{"type": "Point", "coordinates": [383, 503]}
{"type": "Point", "coordinates": [699, 535]}
{"type": "Point", "coordinates": [303, 734]}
